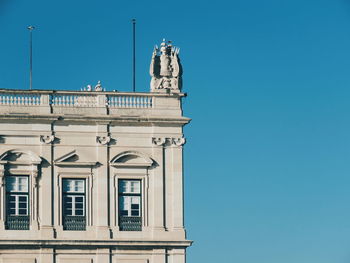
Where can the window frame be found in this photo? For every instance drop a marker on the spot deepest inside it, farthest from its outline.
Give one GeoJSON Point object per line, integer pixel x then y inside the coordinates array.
{"type": "Point", "coordinates": [130, 194]}
{"type": "Point", "coordinates": [138, 194]}
{"type": "Point", "coordinates": [74, 195]}
{"type": "Point", "coordinates": [18, 221]}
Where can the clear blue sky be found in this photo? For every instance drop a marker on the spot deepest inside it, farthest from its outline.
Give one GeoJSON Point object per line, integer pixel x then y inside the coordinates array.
{"type": "Point", "coordinates": [267, 158]}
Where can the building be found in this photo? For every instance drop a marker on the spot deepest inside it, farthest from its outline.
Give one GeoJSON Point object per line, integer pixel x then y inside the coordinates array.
{"type": "Point", "coordinates": [94, 176]}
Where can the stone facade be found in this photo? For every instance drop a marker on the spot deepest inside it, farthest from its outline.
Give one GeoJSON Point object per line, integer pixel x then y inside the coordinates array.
{"type": "Point", "coordinates": [91, 177]}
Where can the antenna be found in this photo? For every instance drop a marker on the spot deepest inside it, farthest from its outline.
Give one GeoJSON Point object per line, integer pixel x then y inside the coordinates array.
{"type": "Point", "coordinates": [30, 28]}
{"type": "Point", "coordinates": [133, 54]}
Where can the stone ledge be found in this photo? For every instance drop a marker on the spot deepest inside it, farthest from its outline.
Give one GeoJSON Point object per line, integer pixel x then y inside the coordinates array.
{"type": "Point", "coordinates": [94, 243]}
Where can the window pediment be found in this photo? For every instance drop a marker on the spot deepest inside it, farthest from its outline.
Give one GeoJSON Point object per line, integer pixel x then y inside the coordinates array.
{"type": "Point", "coordinates": [131, 159]}
{"type": "Point", "coordinates": [72, 159]}
{"type": "Point", "coordinates": [18, 156]}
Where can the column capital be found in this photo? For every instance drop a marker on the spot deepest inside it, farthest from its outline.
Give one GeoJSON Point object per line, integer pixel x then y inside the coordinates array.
{"type": "Point", "coordinates": [103, 140]}
{"type": "Point", "coordinates": [159, 141]}
{"type": "Point", "coordinates": [178, 141]}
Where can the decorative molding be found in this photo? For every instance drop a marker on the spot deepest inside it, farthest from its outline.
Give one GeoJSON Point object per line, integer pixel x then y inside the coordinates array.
{"type": "Point", "coordinates": [131, 159]}
{"type": "Point", "coordinates": [158, 141]}
{"type": "Point", "coordinates": [47, 139]}
{"type": "Point", "coordinates": [66, 156]}
{"type": "Point", "coordinates": [2, 176]}
{"type": "Point", "coordinates": [103, 139]}
{"type": "Point", "coordinates": [178, 141]}
{"type": "Point", "coordinates": [18, 156]}
{"type": "Point", "coordinates": [71, 159]}
{"type": "Point", "coordinates": [76, 164]}
{"type": "Point", "coordinates": [35, 177]}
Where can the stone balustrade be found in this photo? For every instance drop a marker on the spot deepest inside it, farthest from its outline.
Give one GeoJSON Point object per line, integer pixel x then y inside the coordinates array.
{"type": "Point", "coordinates": [21, 99]}
{"type": "Point", "coordinates": [90, 103]}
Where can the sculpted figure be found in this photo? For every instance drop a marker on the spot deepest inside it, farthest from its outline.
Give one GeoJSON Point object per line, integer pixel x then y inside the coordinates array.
{"type": "Point", "coordinates": [98, 87]}
{"type": "Point", "coordinates": [165, 68]}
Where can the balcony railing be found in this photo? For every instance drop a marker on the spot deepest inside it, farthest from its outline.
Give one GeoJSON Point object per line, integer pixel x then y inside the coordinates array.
{"type": "Point", "coordinates": [89, 103]}
{"type": "Point", "coordinates": [17, 222]}
{"type": "Point", "coordinates": [130, 101]}
{"type": "Point", "coordinates": [130, 223]}
{"type": "Point", "coordinates": [74, 223]}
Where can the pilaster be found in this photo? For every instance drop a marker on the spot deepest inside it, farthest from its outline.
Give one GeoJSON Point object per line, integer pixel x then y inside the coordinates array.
{"type": "Point", "coordinates": [159, 256]}
{"type": "Point", "coordinates": [45, 186]}
{"type": "Point", "coordinates": [101, 193]}
{"type": "Point", "coordinates": [157, 185]}
{"type": "Point", "coordinates": [102, 255]}
{"type": "Point", "coordinates": [2, 197]}
{"type": "Point", "coordinates": [47, 255]}
{"type": "Point", "coordinates": [178, 189]}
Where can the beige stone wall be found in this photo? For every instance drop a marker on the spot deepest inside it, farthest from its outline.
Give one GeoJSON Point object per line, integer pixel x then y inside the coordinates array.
{"type": "Point", "coordinates": [100, 146]}
{"type": "Point", "coordinates": [46, 255]}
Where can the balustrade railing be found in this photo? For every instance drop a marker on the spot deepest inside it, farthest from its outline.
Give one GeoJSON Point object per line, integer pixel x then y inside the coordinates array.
{"type": "Point", "coordinates": [67, 100]}
{"type": "Point", "coordinates": [120, 101]}
{"type": "Point", "coordinates": [20, 99]}
{"type": "Point", "coordinates": [130, 223]}
{"type": "Point", "coordinates": [17, 222]}
{"type": "Point", "coordinates": [75, 99]}
{"type": "Point", "coordinates": [89, 103]}
{"type": "Point", "coordinates": [74, 223]}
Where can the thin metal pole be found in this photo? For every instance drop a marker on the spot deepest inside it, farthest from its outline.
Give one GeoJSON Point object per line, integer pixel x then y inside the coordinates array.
{"type": "Point", "coordinates": [30, 28]}
{"type": "Point", "coordinates": [133, 55]}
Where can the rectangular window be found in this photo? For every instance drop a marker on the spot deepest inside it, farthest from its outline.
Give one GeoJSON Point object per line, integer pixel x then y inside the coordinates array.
{"type": "Point", "coordinates": [73, 194]}
{"type": "Point", "coordinates": [130, 205]}
{"type": "Point", "coordinates": [17, 203]}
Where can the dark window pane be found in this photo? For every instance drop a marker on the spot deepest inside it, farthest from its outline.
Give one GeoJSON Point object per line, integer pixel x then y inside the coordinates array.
{"type": "Point", "coordinates": [12, 211]}
{"type": "Point", "coordinates": [12, 198]}
{"type": "Point", "coordinates": [22, 205]}
{"type": "Point", "coordinates": [22, 198]}
{"type": "Point", "coordinates": [22, 211]}
{"type": "Point", "coordinates": [124, 212]}
{"type": "Point", "coordinates": [79, 205]}
{"type": "Point", "coordinates": [79, 212]}
{"type": "Point", "coordinates": [134, 212]}
{"type": "Point", "coordinates": [79, 199]}
{"type": "Point", "coordinates": [68, 205]}
{"type": "Point", "coordinates": [12, 205]}
{"type": "Point", "coordinates": [68, 212]}
{"type": "Point", "coordinates": [122, 186]}
{"type": "Point", "coordinates": [134, 206]}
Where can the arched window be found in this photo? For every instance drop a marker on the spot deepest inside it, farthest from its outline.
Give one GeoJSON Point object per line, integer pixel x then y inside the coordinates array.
{"type": "Point", "coordinates": [18, 191]}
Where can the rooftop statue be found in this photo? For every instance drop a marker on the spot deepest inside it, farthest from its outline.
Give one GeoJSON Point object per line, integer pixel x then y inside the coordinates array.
{"type": "Point", "coordinates": [98, 87]}
{"type": "Point", "coordinates": [165, 69]}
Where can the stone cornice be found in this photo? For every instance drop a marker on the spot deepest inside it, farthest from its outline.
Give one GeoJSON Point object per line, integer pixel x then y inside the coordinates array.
{"type": "Point", "coordinates": [95, 243]}
{"type": "Point", "coordinates": [98, 119]}
{"type": "Point", "coordinates": [77, 164]}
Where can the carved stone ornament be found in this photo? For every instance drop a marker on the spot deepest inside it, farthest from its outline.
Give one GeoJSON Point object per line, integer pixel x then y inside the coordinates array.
{"type": "Point", "coordinates": [178, 141]}
{"type": "Point", "coordinates": [47, 139]}
{"type": "Point", "coordinates": [103, 139]}
{"type": "Point", "coordinates": [35, 177]}
{"type": "Point", "coordinates": [159, 141]}
{"type": "Point", "coordinates": [2, 176]}
{"type": "Point", "coordinates": [165, 68]}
